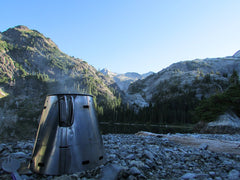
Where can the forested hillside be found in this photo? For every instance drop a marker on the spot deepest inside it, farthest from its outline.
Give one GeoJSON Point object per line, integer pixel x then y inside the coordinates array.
{"type": "Point", "coordinates": [32, 66]}
{"type": "Point", "coordinates": [185, 108]}
{"type": "Point", "coordinates": [210, 109]}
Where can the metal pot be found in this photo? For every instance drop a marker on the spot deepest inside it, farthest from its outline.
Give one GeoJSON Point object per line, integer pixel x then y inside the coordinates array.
{"type": "Point", "coordinates": [68, 138]}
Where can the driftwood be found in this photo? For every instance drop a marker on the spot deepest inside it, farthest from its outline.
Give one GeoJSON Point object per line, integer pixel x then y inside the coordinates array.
{"type": "Point", "coordinates": [145, 133]}
{"type": "Point", "coordinates": [215, 145]}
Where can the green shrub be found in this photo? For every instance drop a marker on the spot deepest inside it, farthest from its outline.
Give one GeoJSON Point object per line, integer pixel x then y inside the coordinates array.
{"type": "Point", "coordinates": [211, 108]}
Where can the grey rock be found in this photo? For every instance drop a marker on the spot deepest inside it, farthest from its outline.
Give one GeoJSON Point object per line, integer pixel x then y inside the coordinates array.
{"type": "Point", "coordinates": [2, 147]}
{"type": "Point", "coordinates": [212, 174]}
{"type": "Point", "coordinates": [112, 156]}
{"type": "Point", "coordinates": [148, 155]}
{"type": "Point", "coordinates": [234, 175]}
{"type": "Point", "coordinates": [150, 163]}
{"type": "Point", "coordinates": [138, 164]}
{"type": "Point", "coordinates": [131, 177]}
{"type": "Point", "coordinates": [189, 176]}
{"type": "Point", "coordinates": [202, 176]}
{"type": "Point", "coordinates": [123, 163]}
{"type": "Point", "coordinates": [25, 177]}
{"type": "Point", "coordinates": [111, 172]}
{"type": "Point", "coordinates": [130, 156]}
{"type": "Point", "coordinates": [63, 177]}
{"type": "Point", "coordinates": [134, 171]}
{"type": "Point", "coordinates": [203, 146]}
{"type": "Point", "coordinates": [21, 155]}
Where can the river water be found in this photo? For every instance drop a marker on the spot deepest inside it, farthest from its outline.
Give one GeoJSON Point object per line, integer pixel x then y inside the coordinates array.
{"type": "Point", "coordinates": [124, 128]}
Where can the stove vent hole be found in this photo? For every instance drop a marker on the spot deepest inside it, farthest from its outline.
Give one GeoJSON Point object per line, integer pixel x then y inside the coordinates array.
{"type": "Point", "coordinates": [85, 162]}
{"type": "Point", "coordinates": [41, 164]}
{"type": "Point", "coordinates": [85, 106]}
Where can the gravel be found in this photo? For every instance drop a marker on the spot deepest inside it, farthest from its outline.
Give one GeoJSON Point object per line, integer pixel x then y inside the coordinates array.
{"type": "Point", "coordinates": [131, 156]}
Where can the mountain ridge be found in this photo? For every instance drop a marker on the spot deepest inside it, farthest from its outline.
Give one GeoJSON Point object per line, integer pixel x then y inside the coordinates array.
{"type": "Point", "coordinates": [32, 66]}
{"type": "Point", "coordinates": [183, 74]}
{"type": "Point", "coordinates": [35, 54]}
{"type": "Point", "coordinates": [123, 80]}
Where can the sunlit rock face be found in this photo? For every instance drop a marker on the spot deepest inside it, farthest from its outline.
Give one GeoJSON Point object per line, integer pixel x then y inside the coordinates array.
{"type": "Point", "coordinates": [237, 54]}
{"type": "Point", "coordinates": [204, 77]}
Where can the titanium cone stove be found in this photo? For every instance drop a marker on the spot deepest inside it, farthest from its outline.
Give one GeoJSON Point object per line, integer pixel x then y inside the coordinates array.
{"type": "Point", "coordinates": [68, 138]}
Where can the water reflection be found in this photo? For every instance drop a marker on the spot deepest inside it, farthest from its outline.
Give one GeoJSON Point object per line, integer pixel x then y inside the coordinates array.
{"type": "Point", "coordinates": [124, 128]}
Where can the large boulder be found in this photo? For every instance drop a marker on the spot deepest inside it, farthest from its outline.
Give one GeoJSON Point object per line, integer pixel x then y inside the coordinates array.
{"type": "Point", "coordinates": [228, 123]}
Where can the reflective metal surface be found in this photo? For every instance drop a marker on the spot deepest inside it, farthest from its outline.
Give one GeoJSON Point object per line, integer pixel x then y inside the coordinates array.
{"type": "Point", "coordinates": [68, 138]}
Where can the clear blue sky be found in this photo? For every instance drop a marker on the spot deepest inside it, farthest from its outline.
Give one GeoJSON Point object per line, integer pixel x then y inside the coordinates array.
{"type": "Point", "coordinates": [131, 35]}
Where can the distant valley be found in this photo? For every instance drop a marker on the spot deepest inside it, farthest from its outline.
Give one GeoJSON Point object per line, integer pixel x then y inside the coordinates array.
{"type": "Point", "coordinates": [124, 80]}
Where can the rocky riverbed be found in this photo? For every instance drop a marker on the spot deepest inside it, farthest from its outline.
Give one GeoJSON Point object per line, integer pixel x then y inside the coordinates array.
{"type": "Point", "coordinates": [146, 156]}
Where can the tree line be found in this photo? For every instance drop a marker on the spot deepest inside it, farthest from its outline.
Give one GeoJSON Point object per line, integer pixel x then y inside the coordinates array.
{"type": "Point", "coordinates": [182, 109]}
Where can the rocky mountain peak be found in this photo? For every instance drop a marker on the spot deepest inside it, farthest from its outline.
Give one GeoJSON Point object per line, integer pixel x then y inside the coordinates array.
{"type": "Point", "coordinates": [23, 36]}
{"type": "Point", "coordinates": [106, 72]}
{"type": "Point", "coordinates": [237, 54]}
{"type": "Point", "coordinates": [21, 27]}
{"type": "Point", "coordinates": [133, 75]}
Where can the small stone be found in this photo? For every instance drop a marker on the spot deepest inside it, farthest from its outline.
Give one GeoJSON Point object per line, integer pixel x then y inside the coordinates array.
{"type": "Point", "coordinates": [134, 171]}
{"type": "Point", "coordinates": [21, 155]}
{"type": "Point", "coordinates": [189, 176]}
{"type": "Point", "coordinates": [149, 155]}
{"type": "Point", "coordinates": [203, 146]}
{"type": "Point", "coordinates": [28, 145]}
{"type": "Point", "coordinates": [130, 156]}
{"type": "Point", "coordinates": [2, 147]}
{"type": "Point", "coordinates": [234, 175]}
{"type": "Point", "coordinates": [150, 163]}
{"type": "Point", "coordinates": [25, 177]}
{"type": "Point", "coordinates": [74, 177]}
{"type": "Point", "coordinates": [202, 176]}
{"type": "Point", "coordinates": [112, 156]}
{"type": "Point", "coordinates": [111, 171]}
{"type": "Point", "coordinates": [63, 177]}
{"type": "Point", "coordinates": [138, 164]}
{"type": "Point", "coordinates": [123, 163]}
{"type": "Point", "coordinates": [212, 174]}
{"type": "Point", "coordinates": [131, 177]}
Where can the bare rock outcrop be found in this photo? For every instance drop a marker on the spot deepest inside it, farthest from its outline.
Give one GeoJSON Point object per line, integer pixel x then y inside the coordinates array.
{"type": "Point", "coordinates": [228, 123]}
